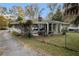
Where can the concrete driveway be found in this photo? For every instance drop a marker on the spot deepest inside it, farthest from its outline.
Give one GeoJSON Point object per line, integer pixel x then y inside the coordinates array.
{"type": "Point", "coordinates": [11, 47]}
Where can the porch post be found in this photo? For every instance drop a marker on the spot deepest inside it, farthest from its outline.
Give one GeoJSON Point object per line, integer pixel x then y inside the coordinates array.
{"type": "Point", "coordinates": [52, 27]}
{"type": "Point", "coordinates": [56, 28]}
{"type": "Point", "coordinates": [47, 28]}
{"type": "Point", "coordinates": [60, 28]}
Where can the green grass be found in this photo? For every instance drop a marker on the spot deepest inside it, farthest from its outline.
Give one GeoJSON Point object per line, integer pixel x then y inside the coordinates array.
{"type": "Point", "coordinates": [55, 44]}
{"type": "Point", "coordinates": [73, 41]}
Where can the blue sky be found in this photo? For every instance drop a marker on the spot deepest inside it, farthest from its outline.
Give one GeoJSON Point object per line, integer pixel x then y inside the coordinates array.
{"type": "Point", "coordinates": [41, 5]}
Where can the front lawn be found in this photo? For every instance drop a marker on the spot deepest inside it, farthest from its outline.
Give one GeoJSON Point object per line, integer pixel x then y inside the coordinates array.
{"type": "Point", "coordinates": [72, 40]}
{"type": "Point", "coordinates": [54, 45]}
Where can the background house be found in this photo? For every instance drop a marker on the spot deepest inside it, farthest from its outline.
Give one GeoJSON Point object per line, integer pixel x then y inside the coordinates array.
{"type": "Point", "coordinates": [71, 11]}
{"type": "Point", "coordinates": [71, 15]}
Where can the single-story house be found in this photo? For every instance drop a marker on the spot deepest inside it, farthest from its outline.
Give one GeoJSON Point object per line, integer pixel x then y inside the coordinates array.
{"type": "Point", "coordinates": [46, 27]}
{"type": "Point", "coordinates": [49, 27]}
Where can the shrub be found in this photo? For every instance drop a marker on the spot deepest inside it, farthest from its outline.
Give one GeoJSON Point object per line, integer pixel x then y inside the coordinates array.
{"type": "Point", "coordinates": [15, 33]}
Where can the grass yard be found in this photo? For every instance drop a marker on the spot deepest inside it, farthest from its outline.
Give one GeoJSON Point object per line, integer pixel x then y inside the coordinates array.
{"type": "Point", "coordinates": [54, 45]}
{"type": "Point", "coordinates": [73, 41]}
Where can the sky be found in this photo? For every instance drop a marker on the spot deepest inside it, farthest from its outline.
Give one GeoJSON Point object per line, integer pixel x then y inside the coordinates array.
{"type": "Point", "coordinates": [41, 5]}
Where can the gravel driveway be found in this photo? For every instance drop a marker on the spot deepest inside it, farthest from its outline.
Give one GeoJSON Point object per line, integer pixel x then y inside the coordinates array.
{"type": "Point", "coordinates": [12, 47]}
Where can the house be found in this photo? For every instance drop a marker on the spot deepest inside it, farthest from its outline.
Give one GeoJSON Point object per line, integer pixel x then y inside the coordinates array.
{"type": "Point", "coordinates": [71, 11]}
{"type": "Point", "coordinates": [71, 15]}
{"type": "Point", "coordinates": [73, 28]}
{"type": "Point", "coordinates": [45, 27]}
{"type": "Point", "coordinates": [49, 27]}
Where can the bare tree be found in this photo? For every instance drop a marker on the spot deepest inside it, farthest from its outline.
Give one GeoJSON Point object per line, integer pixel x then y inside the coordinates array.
{"type": "Point", "coordinates": [33, 11]}
{"type": "Point", "coordinates": [52, 6]}
{"type": "Point", "coordinates": [55, 11]}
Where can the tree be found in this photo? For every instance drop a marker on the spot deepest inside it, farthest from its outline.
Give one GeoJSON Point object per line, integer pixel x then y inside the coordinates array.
{"type": "Point", "coordinates": [20, 11]}
{"type": "Point", "coordinates": [33, 11]}
{"type": "Point", "coordinates": [28, 28]}
{"type": "Point", "coordinates": [20, 20]}
{"type": "Point", "coordinates": [52, 7]}
{"type": "Point", "coordinates": [55, 13]}
{"type": "Point", "coordinates": [29, 12]}
{"type": "Point", "coordinates": [3, 10]}
{"type": "Point", "coordinates": [3, 22]}
{"type": "Point", "coordinates": [50, 15]}
{"type": "Point", "coordinates": [38, 11]}
{"type": "Point", "coordinates": [13, 11]}
{"type": "Point", "coordinates": [29, 23]}
{"type": "Point", "coordinates": [57, 16]}
{"type": "Point", "coordinates": [76, 21]}
{"type": "Point", "coordinates": [17, 10]}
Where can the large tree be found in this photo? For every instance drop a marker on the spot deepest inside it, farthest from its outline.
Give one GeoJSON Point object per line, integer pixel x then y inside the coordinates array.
{"type": "Point", "coordinates": [21, 11]}
{"type": "Point", "coordinates": [28, 28]}
{"type": "Point", "coordinates": [57, 16]}
{"type": "Point", "coordinates": [76, 21]}
{"type": "Point", "coordinates": [3, 10]}
{"type": "Point", "coordinates": [20, 20]}
{"type": "Point", "coordinates": [52, 7]}
{"type": "Point", "coordinates": [55, 13]}
{"type": "Point", "coordinates": [3, 22]}
{"type": "Point", "coordinates": [17, 10]}
{"type": "Point", "coordinates": [33, 11]}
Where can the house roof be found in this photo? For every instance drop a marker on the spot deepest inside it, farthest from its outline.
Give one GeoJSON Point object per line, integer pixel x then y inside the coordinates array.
{"type": "Point", "coordinates": [43, 22]}
{"type": "Point", "coordinates": [48, 21]}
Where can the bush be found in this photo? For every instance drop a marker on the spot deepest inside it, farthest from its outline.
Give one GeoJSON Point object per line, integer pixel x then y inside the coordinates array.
{"type": "Point", "coordinates": [9, 25]}
{"type": "Point", "coordinates": [3, 28]}
{"type": "Point", "coordinates": [15, 33]}
{"type": "Point", "coordinates": [64, 31]}
{"type": "Point", "coordinates": [3, 22]}
{"type": "Point", "coordinates": [29, 35]}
